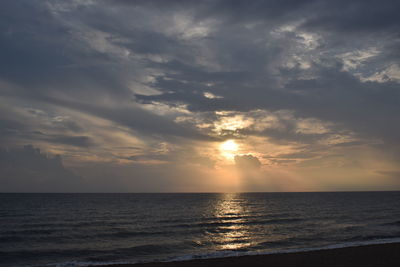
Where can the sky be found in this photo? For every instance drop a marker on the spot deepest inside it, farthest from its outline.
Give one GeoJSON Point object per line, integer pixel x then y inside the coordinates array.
{"type": "Point", "coordinates": [199, 96]}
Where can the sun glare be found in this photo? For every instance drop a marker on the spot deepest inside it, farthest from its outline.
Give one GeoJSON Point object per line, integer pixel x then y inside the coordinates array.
{"type": "Point", "coordinates": [229, 146]}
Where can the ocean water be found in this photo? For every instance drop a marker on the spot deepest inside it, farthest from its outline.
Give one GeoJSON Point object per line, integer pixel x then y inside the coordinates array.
{"type": "Point", "coordinates": [82, 229]}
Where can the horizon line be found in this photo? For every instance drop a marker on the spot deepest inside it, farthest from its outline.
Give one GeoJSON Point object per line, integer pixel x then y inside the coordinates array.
{"type": "Point", "coordinates": [242, 192]}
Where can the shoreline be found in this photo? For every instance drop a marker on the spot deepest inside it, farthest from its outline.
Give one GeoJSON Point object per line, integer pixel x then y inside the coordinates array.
{"type": "Point", "coordinates": [371, 255]}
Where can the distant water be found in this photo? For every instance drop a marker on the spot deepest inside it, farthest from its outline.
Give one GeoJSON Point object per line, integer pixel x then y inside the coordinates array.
{"type": "Point", "coordinates": [79, 229]}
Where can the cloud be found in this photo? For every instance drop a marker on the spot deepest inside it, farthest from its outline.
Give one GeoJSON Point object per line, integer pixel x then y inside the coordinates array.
{"type": "Point", "coordinates": [247, 162]}
{"type": "Point", "coordinates": [92, 79]}
{"type": "Point", "coordinates": [79, 141]}
{"type": "Point", "coordinates": [392, 174]}
{"type": "Point", "coordinates": [29, 170]}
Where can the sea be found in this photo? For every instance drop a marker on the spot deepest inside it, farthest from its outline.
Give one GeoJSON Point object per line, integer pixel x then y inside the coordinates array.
{"type": "Point", "coordinates": [83, 229]}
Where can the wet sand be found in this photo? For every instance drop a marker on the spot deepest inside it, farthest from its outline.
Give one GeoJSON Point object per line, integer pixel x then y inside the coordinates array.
{"type": "Point", "coordinates": [382, 255]}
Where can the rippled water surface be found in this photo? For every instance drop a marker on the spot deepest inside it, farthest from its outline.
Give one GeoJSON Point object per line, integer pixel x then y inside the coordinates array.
{"type": "Point", "coordinates": [40, 229]}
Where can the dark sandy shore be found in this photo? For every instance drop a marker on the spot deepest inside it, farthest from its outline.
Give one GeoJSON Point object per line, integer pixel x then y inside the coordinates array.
{"type": "Point", "coordinates": [381, 255]}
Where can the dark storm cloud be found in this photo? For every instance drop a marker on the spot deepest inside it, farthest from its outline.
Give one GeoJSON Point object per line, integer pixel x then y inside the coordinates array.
{"type": "Point", "coordinates": [28, 52]}
{"type": "Point", "coordinates": [359, 15]}
{"type": "Point", "coordinates": [6, 124]}
{"type": "Point", "coordinates": [37, 48]}
{"type": "Point", "coordinates": [79, 141]}
{"type": "Point", "coordinates": [355, 16]}
{"type": "Point", "coordinates": [137, 119]}
{"type": "Point", "coordinates": [68, 66]}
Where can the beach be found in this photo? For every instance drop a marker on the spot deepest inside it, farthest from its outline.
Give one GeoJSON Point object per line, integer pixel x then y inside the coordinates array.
{"type": "Point", "coordinates": [381, 255]}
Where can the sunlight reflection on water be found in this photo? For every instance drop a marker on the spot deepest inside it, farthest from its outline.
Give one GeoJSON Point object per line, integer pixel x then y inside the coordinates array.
{"type": "Point", "coordinates": [235, 236]}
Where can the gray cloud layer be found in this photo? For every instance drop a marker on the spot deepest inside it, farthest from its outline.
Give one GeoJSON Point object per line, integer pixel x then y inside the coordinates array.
{"type": "Point", "coordinates": [92, 79]}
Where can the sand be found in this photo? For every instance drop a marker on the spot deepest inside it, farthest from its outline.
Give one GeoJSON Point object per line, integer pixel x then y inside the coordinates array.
{"type": "Point", "coordinates": [382, 255]}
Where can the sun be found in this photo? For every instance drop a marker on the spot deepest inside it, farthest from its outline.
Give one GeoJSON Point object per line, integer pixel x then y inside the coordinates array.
{"type": "Point", "coordinates": [229, 146]}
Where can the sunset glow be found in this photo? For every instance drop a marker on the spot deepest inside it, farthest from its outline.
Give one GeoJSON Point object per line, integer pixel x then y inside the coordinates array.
{"type": "Point", "coordinates": [175, 97]}
{"type": "Point", "coordinates": [229, 146]}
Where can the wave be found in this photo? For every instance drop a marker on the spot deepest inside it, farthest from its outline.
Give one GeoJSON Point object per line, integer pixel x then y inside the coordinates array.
{"type": "Point", "coordinates": [127, 233]}
{"type": "Point", "coordinates": [57, 235]}
{"type": "Point", "coordinates": [30, 232]}
{"type": "Point", "coordinates": [91, 255]}
{"type": "Point", "coordinates": [372, 237]}
{"type": "Point", "coordinates": [244, 223]}
{"type": "Point", "coordinates": [230, 253]}
{"type": "Point", "coordinates": [395, 223]}
{"type": "Point", "coordinates": [231, 216]}
{"type": "Point", "coordinates": [223, 254]}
